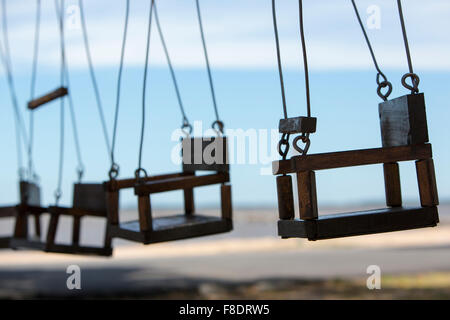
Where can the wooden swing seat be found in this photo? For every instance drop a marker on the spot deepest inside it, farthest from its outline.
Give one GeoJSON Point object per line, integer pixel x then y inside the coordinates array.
{"type": "Point", "coordinates": [404, 136]}
{"type": "Point", "coordinates": [149, 230]}
{"type": "Point", "coordinates": [89, 200]}
{"type": "Point", "coordinates": [48, 97]}
{"type": "Point", "coordinates": [30, 205]}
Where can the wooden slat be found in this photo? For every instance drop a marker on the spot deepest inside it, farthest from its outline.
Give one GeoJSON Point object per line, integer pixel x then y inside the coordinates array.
{"type": "Point", "coordinates": [172, 228]}
{"type": "Point", "coordinates": [145, 213]}
{"type": "Point", "coordinates": [351, 158]}
{"type": "Point", "coordinates": [180, 183]}
{"type": "Point", "coordinates": [427, 183]}
{"type": "Point", "coordinates": [76, 228]}
{"type": "Point", "coordinates": [114, 185]}
{"type": "Point", "coordinates": [359, 223]}
{"type": "Point", "coordinates": [189, 206]}
{"type": "Point", "coordinates": [75, 212]}
{"type": "Point", "coordinates": [210, 154]}
{"type": "Point", "coordinates": [89, 196]}
{"type": "Point", "coordinates": [403, 121]}
{"type": "Point", "coordinates": [8, 211]}
{"type": "Point", "coordinates": [112, 207]}
{"type": "Point", "coordinates": [225, 200]}
{"type": "Point", "coordinates": [392, 184]}
{"type": "Point", "coordinates": [285, 195]}
{"type": "Point", "coordinates": [52, 229]}
{"type": "Point", "coordinates": [55, 94]}
{"type": "Point", "coordinates": [298, 125]}
{"type": "Point", "coordinates": [307, 195]}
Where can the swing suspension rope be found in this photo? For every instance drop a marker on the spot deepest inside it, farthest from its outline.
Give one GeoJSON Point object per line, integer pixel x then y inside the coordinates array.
{"type": "Point", "coordinates": [64, 79]}
{"type": "Point", "coordinates": [31, 170]}
{"type": "Point", "coordinates": [139, 171]}
{"type": "Point", "coordinates": [114, 170]}
{"type": "Point", "coordinates": [382, 80]}
{"type": "Point", "coordinates": [21, 134]}
{"type": "Point", "coordinates": [304, 137]}
{"type": "Point", "coordinates": [414, 77]}
{"type": "Point", "coordinates": [217, 125]}
{"type": "Point", "coordinates": [186, 126]}
{"type": "Point", "coordinates": [93, 77]}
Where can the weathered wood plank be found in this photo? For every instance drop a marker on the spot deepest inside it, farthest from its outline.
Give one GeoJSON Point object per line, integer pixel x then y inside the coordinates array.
{"type": "Point", "coordinates": [298, 125]}
{"type": "Point", "coordinates": [403, 121]}
{"type": "Point", "coordinates": [427, 183]}
{"type": "Point", "coordinates": [307, 195]}
{"type": "Point", "coordinates": [179, 183]}
{"type": "Point", "coordinates": [392, 184]}
{"type": "Point", "coordinates": [359, 223]}
{"type": "Point", "coordinates": [352, 158]}
{"type": "Point", "coordinates": [285, 195]}
{"type": "Point", "coordinates": [210, 154]}
{"type": "Point", "coordinates": [225, 201]}
{"type": "Point", "coordinates": [55, 94]}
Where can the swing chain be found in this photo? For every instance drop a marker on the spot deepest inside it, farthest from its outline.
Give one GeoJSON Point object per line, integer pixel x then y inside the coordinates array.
{"type": "Point", "coordinates": [186, 127]}
{"type": "Point", "coordinates": [383, 84]}
{"type": "Point", "coordinates": [284, 141]}
{"type": "Point", "coordinates": [113, 171]}
{"type": "Point", "coordinates": [415, 82]}
{"type": "Point", "coordinates": [58, 195]}
{"type": "Point", "coordinates": [80, 172]}
{"type": "Point", "coordinates": [218, 126]}
{"type": "Point", "coordinates": [305, 139]}
{"type": "Point", "coordinates": [138, 175]}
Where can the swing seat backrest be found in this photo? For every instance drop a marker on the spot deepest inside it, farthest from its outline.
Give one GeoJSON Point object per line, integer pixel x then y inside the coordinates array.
{"type": "Point", "coordinates": [403, 121]}
{"type": "Point", "coordinates": [205, 154]}
{"type": "Point", "coordinates": [30, 194]}
{"type": "Point", "coordinates": [90, 197]}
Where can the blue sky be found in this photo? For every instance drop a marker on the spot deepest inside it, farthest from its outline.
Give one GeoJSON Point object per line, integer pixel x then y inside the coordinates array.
{"type": "Point", "coordinates": [241, 46]}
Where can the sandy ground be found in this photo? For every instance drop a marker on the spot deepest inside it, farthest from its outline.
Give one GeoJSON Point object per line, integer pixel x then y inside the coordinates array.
{"type": "Point", "coordinates": [250, 262]}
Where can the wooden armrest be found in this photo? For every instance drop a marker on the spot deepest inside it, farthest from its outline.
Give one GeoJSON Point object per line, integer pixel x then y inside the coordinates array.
{"type": "Point", "coordinates": [75, 212]}
{"type": "Point", "coordinates": [8, 211]}
{"type": "Point", "coordinates": [333, 160]}
{"type": "Point", "coordinates": [179, 183]}
{"type": "Point", "coordinates": [130, 183]}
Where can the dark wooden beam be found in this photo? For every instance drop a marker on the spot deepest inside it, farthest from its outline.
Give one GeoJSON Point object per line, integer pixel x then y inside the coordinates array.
{"type": "Point", "coordinates": [351, 158]}
{"type": "Point", "coordinates": [55, 94]}
{"type": "Point", "coordinates": [180, 183]}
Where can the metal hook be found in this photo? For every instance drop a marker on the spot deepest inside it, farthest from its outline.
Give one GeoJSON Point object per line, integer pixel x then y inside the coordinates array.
{"type": "Point", "coordinates": [382, 85]}
{"type": "Point", "coordinates": [218, 127]}
{"type": "Point", "coordinates": [114, 171]}
{"type": "Point", "coordinates": [284, 141]}
{"type": "Point", "coordinates": [305, 140]}
{"type": "Point", "coordinates": [415, 82]}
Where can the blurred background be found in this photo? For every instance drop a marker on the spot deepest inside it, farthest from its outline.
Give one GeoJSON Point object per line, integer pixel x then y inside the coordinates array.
{"type": "Point", "coordinates": [251, 261]}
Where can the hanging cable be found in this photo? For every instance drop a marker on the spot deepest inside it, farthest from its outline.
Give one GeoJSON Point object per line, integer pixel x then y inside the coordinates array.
{"type": "Point", "coordinates": [186, 125]}
{"type": "Point", "coordinates": [414, 77]}
{"type": "Point", "coordinates": [59, 16]}
{"type": "Point", "coordinates": [93, 78]}
{"type": "Point", "coordinates": [381, 84]}
{"type": "Point", "coordinates": [21, 134]}
{"type": "Point", "coordinates": [305, 136]}
{"type": "Point", "coordinates": [114, 170]}
{"type": "Point", "coordinates": [218, 125]}
{"type": "Point", "coordinates": [80, 167]}
{"type": "Point", "coordinates": [284, 141]}
{"type": "Point", "coordinates": [139, 169]}
{"type": "Point", "coordinates": [31, 171]}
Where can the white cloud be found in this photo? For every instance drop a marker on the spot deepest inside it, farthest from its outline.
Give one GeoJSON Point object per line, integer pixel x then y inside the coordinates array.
{"type": "Point", "coordinates": [240, 34]}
